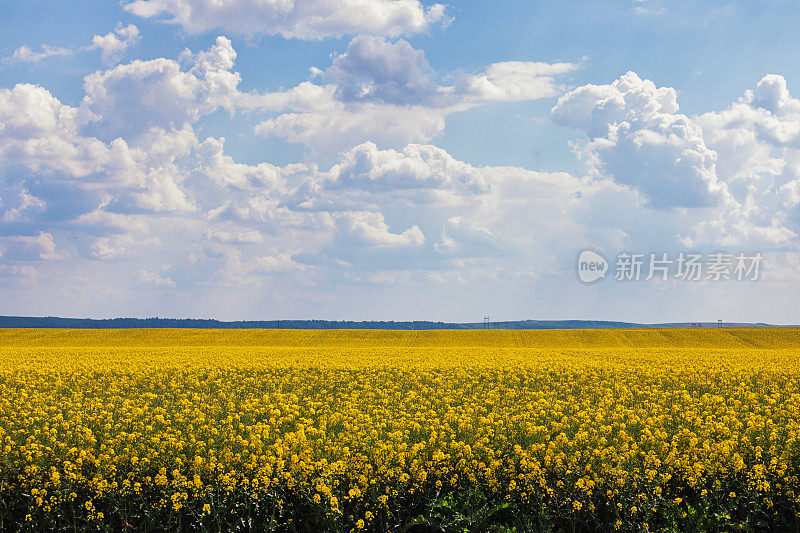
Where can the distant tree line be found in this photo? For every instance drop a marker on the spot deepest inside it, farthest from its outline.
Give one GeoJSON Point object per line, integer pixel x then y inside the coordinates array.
{"type": "Point", "coordinates": [156, 322]}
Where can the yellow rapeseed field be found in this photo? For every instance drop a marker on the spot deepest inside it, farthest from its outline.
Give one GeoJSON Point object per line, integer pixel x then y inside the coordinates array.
{"type": "Point", "coordinates": [633, 430]}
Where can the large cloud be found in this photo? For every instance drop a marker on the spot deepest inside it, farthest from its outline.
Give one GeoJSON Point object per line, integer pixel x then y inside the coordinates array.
{"type": "Point", "coordinates": [41, 134]}
{"type": "Point", "coordinates": [124, 145]}
{"type": "Point", "coordinates": [376, 70]}
{"type": "Point", "coordinates": [300, 19]}
{"type": "Point", "coordinates": [758, 142]}
{"type": "Point", "coordinates": [130, 99]}
{"type": "Point", "coordinates": [387, 93]}
{"type": "Point", "coordinates": [740, 165]}
{"type": "Point", "coordinates": [637, 137]}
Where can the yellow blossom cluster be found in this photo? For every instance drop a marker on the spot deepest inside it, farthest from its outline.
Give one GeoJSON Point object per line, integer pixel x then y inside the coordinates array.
{"type": "Point", "coordinates": [370, 430]}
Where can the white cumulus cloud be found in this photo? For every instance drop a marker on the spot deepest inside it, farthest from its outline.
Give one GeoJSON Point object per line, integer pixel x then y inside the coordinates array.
{"type": "Point", "coordinates": [130, 99]}
{"type": "Point", "coordinates": [387, 93]}
{"type": "Point", "coordinates": [637, 137]}
{"type": "Point", "coordinates": [113, 44]}
{"type": "Point", "coordinates": [361, 228]}
{"type": "Point", "coordinates": [299, 19]}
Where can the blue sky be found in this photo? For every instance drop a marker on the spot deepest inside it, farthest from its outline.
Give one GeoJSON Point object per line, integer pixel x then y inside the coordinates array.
{"type": "Point", "coordinates": [395, 159]}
